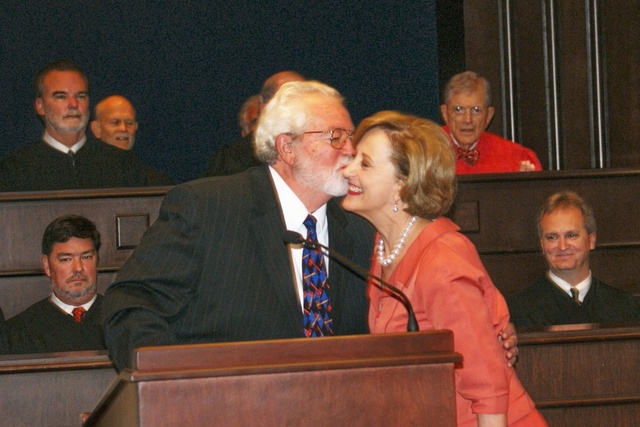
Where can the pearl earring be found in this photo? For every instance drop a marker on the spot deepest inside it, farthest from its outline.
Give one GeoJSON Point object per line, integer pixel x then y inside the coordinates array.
{"type": "Point", "coordinates": [395, 207]}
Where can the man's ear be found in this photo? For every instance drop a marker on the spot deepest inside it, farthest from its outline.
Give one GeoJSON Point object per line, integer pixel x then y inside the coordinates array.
{"type": "Point", "coordinates": [39, 107]}
{"type": "Point", "coordinates": [283, 147]}
{"type": "Point", "coordinates": [443, 113]}
{"type": "Point", "coordinates": [592, 240]}
{"type": "Point", "coordinates": [45, 265]}
{"type": "Point", "coordinates": [95, 128]}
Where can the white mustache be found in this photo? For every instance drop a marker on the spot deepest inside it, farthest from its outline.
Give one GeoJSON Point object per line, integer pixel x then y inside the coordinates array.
{"type": "Point", "coordinates": [344, 161]}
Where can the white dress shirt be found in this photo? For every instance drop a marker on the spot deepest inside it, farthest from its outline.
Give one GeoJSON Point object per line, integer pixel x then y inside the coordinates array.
{"type": "Point", "coordinates": [294, 215]}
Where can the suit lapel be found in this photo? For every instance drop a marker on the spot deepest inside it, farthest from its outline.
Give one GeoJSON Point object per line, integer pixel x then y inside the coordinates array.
{"type": "Point", "coordinates": [268, 228]}
{"type": "Point", "coordinates": [341, 241]}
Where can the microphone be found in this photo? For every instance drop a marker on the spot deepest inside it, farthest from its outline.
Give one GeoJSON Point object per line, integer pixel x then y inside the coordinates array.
{"type": "Point", "coordinates": [296, 238]}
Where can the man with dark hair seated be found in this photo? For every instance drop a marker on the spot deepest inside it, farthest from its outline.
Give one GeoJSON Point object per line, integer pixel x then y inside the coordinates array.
{"type": "Point", "coordinates": [69, 319]}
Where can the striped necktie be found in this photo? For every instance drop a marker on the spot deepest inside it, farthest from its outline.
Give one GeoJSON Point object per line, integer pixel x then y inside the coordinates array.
{"type": "Point", "coordinates": [317, 306]}
{"type": "Point", "coordinates": [576, 295]}
{"type": "Point", "coordinates": [77, 313]}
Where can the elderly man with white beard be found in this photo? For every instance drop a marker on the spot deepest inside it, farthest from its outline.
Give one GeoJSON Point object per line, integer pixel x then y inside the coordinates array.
{"type": "Point", "coordinates": [214, 266]}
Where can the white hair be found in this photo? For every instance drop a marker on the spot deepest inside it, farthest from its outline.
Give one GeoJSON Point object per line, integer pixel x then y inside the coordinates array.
{"type": "Point", "coordinates": [286, 113]}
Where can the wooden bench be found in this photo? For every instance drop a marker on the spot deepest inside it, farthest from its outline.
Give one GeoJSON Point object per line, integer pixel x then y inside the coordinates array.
{"type": "Point", "coordinates": [52, 389]}
{"type": "Point", "coordinates": [121, 216]}
{"type": "Point", "coordinates": [497, 212]}
{"type": "Point", "coordinates": [583, 375]}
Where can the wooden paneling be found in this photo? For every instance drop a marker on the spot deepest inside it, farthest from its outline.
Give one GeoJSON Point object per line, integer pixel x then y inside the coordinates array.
{"type": "Point", "coordinates": [561, 77]}
{"type": "Point", "coordinates": [118, 214]}
{"type": "Point", "coordinates": [583, 375]}
{"type": "Point", "coordinates": [121, 216]}
{"type": "Point", "coordinates": [621, 53]}
{"type": "Point", "coordinates": [52, 389]}
{"type": "Point", "coordinates": [498, 214]}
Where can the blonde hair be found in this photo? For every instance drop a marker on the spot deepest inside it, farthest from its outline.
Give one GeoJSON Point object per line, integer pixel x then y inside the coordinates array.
{"type": "Point", "coordinates": [567, 199]}
{"type": "Point", "coordinates": [423, 159]}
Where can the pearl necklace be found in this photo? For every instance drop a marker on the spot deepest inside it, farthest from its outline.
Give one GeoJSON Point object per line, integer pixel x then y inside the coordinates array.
{"type": "Point", "coordinates": [386, 262]}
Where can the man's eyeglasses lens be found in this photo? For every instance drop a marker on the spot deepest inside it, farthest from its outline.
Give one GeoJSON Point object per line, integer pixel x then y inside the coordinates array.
{"type": "Point", "coordinates": [337, 137]}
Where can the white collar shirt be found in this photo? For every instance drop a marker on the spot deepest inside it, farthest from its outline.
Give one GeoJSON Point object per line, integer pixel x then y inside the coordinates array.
{"type": "Point", "coordinates": [583, 287]}
{"type": "Point", "coordinates": [294, 213]}
{"type": "Point", "coordinates": [69, 308]}
{"type": "Point", "coordinates": [60, 146]}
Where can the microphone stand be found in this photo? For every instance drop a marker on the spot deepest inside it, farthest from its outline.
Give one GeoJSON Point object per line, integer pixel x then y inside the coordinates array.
{"type": "Point", "coordinates": [296, 238]}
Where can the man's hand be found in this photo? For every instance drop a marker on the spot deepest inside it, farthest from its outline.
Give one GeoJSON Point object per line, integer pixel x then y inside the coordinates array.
{"type": "Point", "coordinates": [527, 166]}
{"type": "Point", "coordinates": [509, 340]}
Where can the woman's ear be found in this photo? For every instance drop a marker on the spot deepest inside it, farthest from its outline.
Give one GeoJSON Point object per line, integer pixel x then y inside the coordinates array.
{"type": "Point", "coordinates": [398, 188]}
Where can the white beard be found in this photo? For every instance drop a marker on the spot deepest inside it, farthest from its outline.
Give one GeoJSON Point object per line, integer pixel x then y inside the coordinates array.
{"type": "Point", "coordinates": [58, 124]}
{"type": "Point", "coordinates": [330, 182]}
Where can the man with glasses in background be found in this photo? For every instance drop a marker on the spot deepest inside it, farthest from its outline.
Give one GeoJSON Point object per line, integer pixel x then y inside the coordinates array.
{"type": "Point", "coordinates": [467, 112]}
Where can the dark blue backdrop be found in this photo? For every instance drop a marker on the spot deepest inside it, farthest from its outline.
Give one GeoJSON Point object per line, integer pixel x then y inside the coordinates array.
{"type": "Point", "coordinates": [188, 65]}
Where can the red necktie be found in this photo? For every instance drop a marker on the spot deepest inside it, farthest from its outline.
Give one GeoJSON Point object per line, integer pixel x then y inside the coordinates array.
{"type": "Point", "coordinates": [470, 157]}
{"type": "Point", "coordinates": [78, 312]}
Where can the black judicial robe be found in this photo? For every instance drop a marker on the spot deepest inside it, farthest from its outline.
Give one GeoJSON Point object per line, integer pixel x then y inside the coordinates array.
{"type": "Point", "coordinates": [40, 167]}
{"type": "Point", "coordinates": [545, 304]}
{"type": "Point", "coordinates": [44, 328]}
{"type": "Point", "coordinates": [233, 158]}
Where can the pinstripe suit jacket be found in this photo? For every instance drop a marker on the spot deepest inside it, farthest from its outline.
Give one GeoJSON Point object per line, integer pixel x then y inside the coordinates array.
{"type": "Point", "coordinates": [214, 267]}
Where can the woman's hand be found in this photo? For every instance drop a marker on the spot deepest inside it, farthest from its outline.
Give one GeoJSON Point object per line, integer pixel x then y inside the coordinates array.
{"type": "Point", "coordinates": [509, 340]}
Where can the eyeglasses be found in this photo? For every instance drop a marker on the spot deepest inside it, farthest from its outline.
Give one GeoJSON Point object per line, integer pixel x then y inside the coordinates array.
{"type": "Point", "coordinates": [337, 137]}
{"type": "Point", "coordinates": [461, 111]}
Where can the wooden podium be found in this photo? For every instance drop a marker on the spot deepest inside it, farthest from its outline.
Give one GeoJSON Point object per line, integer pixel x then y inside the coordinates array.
{"type": "Point", "coordinates": [388, 379]}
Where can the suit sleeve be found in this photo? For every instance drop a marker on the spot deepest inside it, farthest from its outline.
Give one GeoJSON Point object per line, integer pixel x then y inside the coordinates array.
{"type": "Point", "coordinates": [157, 281]}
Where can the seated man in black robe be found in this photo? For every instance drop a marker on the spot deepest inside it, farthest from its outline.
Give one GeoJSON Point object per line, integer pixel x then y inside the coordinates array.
{"type": "Point", "coordinates": [69, 319]}
{"type": "Point", "coordinates": [115, 123]}
{"type": "Point", "coordinates": [65, 157]}
{"type": "Point", "coordinates": [568, 293]}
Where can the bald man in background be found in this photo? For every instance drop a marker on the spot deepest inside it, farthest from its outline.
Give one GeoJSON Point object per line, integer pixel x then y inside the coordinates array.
{"type": "Point", "coordinates": [239, 155]}
{"type": "Point", "coordinates": [248, 115]}
{"type": "Point", "coordinates": [115, 122]}
{"type": "Point", "coordinates": [65, 157]}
